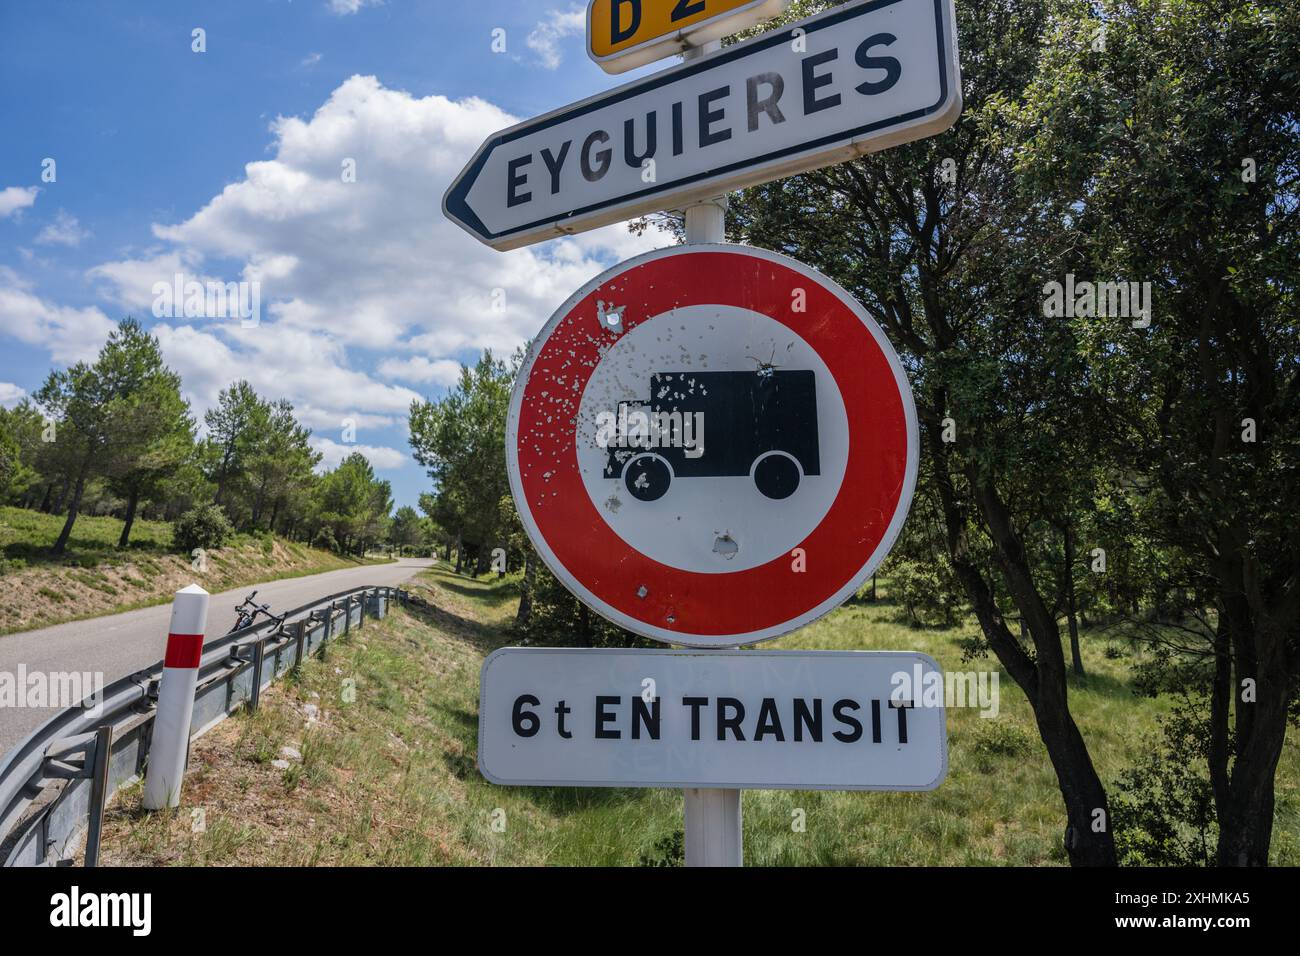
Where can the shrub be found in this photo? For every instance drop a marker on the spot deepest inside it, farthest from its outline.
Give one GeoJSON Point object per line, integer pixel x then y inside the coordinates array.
{"type": "Point", "coordinates": [12, 565]}
{"type": "Point", "coordinates": [56, 596]}
{"type": "Point", "coordinates": [999, 738]}
{"type": "Point", "coordinates": [667, 851]}
{"type": "Point", "coordinates": [1163, 810]}
{"type": "Point", "coordinates": [928, 592]}
{"type": "Point", "coordinates": [203, 527]}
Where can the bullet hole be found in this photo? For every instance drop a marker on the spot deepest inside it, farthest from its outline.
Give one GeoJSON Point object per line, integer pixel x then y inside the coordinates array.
{"type": "Point", "coordinates": [726, 546]}
{"type": "Point", "coordinates": [641, 592]}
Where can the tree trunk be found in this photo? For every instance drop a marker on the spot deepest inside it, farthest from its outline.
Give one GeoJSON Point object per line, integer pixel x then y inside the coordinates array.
{"type": "Point", "coordinates": [584, 626]}
{"type": "Point", "coordinates": [1089, 840]}
{"type": "Point", "coordinates": [1071, 607]}
{"type": "Point", "coordinates": [258, 502]}
{"type": "Point", "coordinates": [47, 501]}
{"type": "Point", "coordinates": [525, 612]}
{"type": "Point", "coordinates": [223, 474]}
{"type": "Point", "coordinates": [61, 545]}
{"type": "Point", "coordinates": [1244, 796]}
{"type": "Point", "coordinates": [460, 554]}
{"type": "Point", "coordinates": [61, 501]}
{"type": "Point", "coordinates": [131, 504]}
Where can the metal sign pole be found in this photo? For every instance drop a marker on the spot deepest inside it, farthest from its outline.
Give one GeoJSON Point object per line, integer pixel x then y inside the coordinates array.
{"type": "Point", "coordinates": [714, 835]}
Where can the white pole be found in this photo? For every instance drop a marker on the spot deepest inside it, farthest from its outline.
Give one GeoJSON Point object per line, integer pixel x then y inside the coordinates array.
{"type": "Point", "coordinates": [171, 723]}
{"type": "Point", "coordinates": [714, 835]}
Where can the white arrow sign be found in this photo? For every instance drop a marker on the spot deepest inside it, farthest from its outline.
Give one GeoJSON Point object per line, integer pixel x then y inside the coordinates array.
{"type": "Point", "coordinates": [806, 720]}
{"type": "Point", "coordinates": [857, 79]}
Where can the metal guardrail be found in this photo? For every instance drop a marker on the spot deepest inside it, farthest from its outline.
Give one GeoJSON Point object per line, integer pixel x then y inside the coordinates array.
{"type": "Point", "coordinates": [54, 784]}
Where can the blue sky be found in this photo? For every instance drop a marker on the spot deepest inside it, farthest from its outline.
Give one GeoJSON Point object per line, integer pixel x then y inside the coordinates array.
{"type": "Point", "coordinates": [229, 165]}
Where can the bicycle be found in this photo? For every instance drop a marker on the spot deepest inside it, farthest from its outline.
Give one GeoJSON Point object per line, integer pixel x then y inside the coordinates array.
{"type": "Point", "coordinates": [248, 611]}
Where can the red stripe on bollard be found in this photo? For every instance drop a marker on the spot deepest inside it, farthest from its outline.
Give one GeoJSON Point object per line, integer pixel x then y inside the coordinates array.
{"type": "Point", "coordinates": [183, 650]}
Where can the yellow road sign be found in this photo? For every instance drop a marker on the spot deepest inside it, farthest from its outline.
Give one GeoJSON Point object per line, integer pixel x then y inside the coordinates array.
{"type": "Point", "coordinates": [623, 34]}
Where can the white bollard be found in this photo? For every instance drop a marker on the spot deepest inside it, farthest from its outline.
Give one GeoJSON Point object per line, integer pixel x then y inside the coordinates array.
{"type": "Point", "coordinates": [171, 723]}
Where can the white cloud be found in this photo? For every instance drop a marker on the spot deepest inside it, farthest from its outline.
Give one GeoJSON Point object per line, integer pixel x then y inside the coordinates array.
{"type": "Point", "coordinates": [421, 369]}
{"type": "Point", "coordinates": [14, 199]}
{"type": "Point", "coordinates": [380, 458]}
{"type": "Point", "coordinates": [65, 230]}
{"type": "Point", "coordinates": [68, 334]}
{"type": "Point", "coordinates": [345, 8]}
{"type": "Point", "coordinates": [544, 40]}
{"type": "Point", "coordinates": [129, 282]}
{"type": "Point", "coordinates": [373, 263]}
{"type": "Point", "coordinates": [11, 394]}
{"type": "Point", "coordinates": [367, 292]}
{"type": "Point", "coordinates": [279, 361]}
{"type": "Point", "coordinates": [310, 60]}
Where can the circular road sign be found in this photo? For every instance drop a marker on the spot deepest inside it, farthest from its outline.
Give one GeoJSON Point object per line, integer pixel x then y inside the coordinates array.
{"type": "Point", "coordinates": [712, 445]}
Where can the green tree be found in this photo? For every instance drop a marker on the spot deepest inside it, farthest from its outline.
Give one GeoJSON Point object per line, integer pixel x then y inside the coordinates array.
{"type": "Point", "coordinates": [352, 506]}
{"type": "Point", "coordinates": [24, 426]}
{"type": "Point", "coordinates": [938, 243]}
{"type": "Point", "coordinates": [20, 437]}
{"type": "Point", "coordinates": [158, 431]}
{"type": "Point", "coordinates": [1177, 150]}
{"type": "Point", "coordinates": [460, 439]}
{"type": "Point", "coordinates": [98, 410]}
{"type": "Point", "coordinates": [279, 459]}
{"type": "Point", "coordinates": [234, 426]}
{"type": "Point", "coordinates": [407, 528]}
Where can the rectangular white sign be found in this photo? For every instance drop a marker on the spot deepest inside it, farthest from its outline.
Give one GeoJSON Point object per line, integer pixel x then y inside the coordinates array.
{"type": "Point", "coordinates": [856, 79]}
{"type": "Point", "coordinates": [802, 720]}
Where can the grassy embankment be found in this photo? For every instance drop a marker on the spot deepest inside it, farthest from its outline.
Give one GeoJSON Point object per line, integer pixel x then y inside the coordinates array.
{"type": "Point", "coordinates": [390, 778]}
{"type": "Point", "coordinates": [94, 577]}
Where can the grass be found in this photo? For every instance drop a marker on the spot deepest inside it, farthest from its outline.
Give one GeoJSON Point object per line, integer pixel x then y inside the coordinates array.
{"type": "Point", "coordinates": [389, 778]}
{"type": "Point", "coordinates": [95, 578]}
{"type": "Point", "coordinates": [27, 536]}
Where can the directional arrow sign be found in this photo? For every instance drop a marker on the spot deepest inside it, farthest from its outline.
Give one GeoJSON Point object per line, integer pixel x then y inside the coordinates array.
{"type": "Point", "coordinates": [854, 80]}
{"type": "Point", "coordinates": [624, 34]}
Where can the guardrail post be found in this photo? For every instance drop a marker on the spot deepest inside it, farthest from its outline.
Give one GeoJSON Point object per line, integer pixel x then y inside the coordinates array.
{"type": "Point", "coordinates": [347, 615]}
{"type": "Point", "coordinates": [259, 661]}
{"type": "Point", "coordinates": [299, 637]}
{"type": "Point", "coordinates": [171, 725]}
{"type": "Point", "coordinates": [98, 792]}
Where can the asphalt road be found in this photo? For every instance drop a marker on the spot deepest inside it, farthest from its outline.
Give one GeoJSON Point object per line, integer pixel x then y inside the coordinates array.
{"type": "Point", "coordinates": [121, 644]}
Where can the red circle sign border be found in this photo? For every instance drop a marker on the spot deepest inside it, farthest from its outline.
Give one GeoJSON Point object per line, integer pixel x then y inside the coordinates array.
{"type": "Point", "coordinates": [695, 608]}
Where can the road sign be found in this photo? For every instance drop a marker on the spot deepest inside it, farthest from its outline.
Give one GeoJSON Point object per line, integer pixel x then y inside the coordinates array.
{"type": "Point", "coordinates": [712, 444]}
{"type": "Point", "coordinates": [807, 720]}
{"type": "Point", "coordinates": [624, 34]}
{"type": "Point", "coordinates": [853, 80]}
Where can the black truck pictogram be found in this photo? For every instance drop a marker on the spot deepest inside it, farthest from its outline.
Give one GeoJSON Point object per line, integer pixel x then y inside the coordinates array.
{"type": "Point", "coordinates": [720, 424]}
